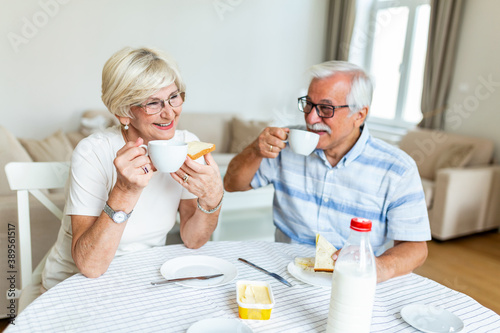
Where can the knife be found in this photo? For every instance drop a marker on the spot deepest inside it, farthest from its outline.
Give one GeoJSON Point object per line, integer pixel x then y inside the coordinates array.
{"type": "Point", "coordinates": [274, 275]}
{"type": "Point", "coordinates": [206, 277]}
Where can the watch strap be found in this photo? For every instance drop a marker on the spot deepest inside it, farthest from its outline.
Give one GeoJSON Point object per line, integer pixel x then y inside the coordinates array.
{"type": "Point", "coordinates": [111, 213]}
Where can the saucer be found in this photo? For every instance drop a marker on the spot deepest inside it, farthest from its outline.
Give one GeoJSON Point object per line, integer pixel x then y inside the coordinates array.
{"type": "Point", "coordinates": [431, 319]}
{"type": "Point", "coordinates": [219, 325]}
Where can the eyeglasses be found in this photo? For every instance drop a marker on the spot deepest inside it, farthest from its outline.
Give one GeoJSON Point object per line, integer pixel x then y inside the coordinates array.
{"type": "Point", "coordinates": [157, 105]}
{"type": "Point", "coordinates": [323, 110]}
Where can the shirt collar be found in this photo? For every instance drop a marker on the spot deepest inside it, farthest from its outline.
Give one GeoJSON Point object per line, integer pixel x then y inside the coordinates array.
{"type": "Point", "coordinates": [358, 147]}
{"type": "Point", "coordinates": [352, 154]}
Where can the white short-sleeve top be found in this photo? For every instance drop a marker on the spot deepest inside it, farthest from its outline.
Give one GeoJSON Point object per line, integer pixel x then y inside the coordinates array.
{"type": "Point", "coordinates": [92, 178]}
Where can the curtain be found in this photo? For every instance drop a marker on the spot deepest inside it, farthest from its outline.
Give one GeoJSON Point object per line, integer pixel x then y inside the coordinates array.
{"type": "Point", "coordinates": [341, 14]}
{"type": "Point", "coordinates": [444, 23]}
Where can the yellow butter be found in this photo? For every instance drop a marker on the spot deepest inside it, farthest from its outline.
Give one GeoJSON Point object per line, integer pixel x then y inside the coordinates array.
{"type": "Point", "coordinates": [251, 294]}
{"type": "Point", "coordinates": [255, 299]}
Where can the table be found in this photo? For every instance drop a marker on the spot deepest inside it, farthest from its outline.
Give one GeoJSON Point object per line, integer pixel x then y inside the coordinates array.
{"type": "Point", "coordinates": [122, 300]}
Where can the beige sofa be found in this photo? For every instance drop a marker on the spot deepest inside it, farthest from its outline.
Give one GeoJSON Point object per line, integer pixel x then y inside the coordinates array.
{"type": "Point", "coordinates": [460, 182]}
{"type": "Point", "coordinates": [227, 131]}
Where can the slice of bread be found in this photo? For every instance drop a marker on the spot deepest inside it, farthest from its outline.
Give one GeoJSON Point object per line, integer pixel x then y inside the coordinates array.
{"type": "Point", "coordinates": [323, 261]}
{"type": "Point", "coordinates": [197, 149]}
{"type": "Point", "coordinates": [305, 263]}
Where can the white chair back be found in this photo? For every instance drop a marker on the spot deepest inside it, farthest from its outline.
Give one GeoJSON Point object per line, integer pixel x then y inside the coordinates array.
{"type": "Point", "coordinates": [32, 177]}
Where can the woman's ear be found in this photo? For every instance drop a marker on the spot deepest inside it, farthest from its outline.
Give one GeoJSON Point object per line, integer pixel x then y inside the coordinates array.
{"type": "Point", "coordinates": [123, 120]}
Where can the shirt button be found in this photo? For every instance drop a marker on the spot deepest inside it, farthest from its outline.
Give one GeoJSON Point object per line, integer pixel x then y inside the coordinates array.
{"type": "Point", "coordinates": [326, 200]}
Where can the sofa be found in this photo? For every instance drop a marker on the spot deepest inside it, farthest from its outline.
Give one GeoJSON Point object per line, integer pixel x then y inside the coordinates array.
{"type": "Point", "coordinates": [461, 185]}
{"type": "Point", "coordinates": [229, 132]}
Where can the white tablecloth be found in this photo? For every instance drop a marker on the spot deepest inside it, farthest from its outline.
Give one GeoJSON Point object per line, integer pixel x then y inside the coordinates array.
{"type": "Point", "coordinates": [123, 300]}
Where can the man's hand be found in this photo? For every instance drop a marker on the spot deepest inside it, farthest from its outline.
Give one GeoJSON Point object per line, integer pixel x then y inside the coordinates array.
{"type": "Point", "coordinates": [335, 255]}
{"type": "Point", "coordinates": [243, 166]}
{"type": "Point", "coordinates": [399, 260]}
{"type": "Point", "coordinates": [270, 142]}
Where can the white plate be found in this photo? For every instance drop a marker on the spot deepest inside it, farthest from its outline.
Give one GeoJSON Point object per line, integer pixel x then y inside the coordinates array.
{"type": "Point", "coordinates": [197, 266]}
{"type": "Point", "coordinates": [319, 279]}
{"type": "Point", "coordinates": [431, 319]}
{"type": "Point", "coordinates": [219, 325]}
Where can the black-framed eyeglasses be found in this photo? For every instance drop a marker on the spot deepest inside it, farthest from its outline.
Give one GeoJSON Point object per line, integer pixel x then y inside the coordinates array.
{"type": "Point", "coordinates": [157, 105]}
{"type": "Point", "coordinates": [323, 110]}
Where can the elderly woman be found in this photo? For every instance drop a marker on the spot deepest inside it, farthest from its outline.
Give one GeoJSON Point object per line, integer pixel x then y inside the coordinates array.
{"type": "Point", "coordinates": [117, 203]}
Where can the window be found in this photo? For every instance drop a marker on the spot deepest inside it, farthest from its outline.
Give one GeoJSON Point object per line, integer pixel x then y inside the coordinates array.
{"type": "Point", "coordinates": [392, 48]}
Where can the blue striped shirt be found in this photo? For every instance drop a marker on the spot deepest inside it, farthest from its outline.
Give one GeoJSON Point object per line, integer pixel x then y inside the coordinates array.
{"type": "Point", "coordinates": [373, 180]}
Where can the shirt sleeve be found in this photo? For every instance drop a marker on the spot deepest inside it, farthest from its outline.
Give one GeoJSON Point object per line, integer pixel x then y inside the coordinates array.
{"type": "Point", "coordinates": [407, 211]}
{"type": "Point", "coordinates": [267, 172]}
{"type": "Point", "coordinates": [90, 179]}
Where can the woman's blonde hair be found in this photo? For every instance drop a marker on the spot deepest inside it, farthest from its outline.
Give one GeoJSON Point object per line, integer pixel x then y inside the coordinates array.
{"type": "Point", "coordinates": [131, 76]}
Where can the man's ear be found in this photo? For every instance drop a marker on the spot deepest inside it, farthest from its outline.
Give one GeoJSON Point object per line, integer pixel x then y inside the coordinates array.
{"type": "Point", "coordinates": [360, 116]}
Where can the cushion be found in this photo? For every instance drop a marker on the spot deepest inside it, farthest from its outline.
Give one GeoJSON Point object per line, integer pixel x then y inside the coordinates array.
{"type": "Point", "coordinates": [54, 148]}
{"type": "Point", "coordinates": [96, 120]}
{"type": "Point", "coordinates": [209, 127]}
{"type": "Point", "coordinates": [74, 137]}
{"type": "Point", "coordinates": [10, 151]}
{"type": "Point", "coordinates": [244, 132]}
{"type": "Point", "coordinates": [427, 146]}
{"type": "Point", "coordinates": [456, 156]}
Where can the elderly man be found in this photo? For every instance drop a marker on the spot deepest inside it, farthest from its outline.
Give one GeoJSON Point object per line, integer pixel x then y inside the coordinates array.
{"type": "Point", "coordinates": [350, 174]}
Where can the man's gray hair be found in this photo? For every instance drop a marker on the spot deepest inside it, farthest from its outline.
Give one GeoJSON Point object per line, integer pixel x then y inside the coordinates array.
{"type": "Point", "coordinates": [361, 83]}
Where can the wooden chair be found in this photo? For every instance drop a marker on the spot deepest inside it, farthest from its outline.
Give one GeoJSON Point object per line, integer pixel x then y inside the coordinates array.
{"type": "Point", "coordinates": [32, 178]}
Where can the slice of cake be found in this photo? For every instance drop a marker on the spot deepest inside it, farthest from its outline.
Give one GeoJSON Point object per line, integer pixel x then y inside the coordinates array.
{"type": "Point", "coordinates": [305, 263]}
{"type": "Point", "coordinates": [323, 261]}
{"type": "Point", "coordinates": [196, 149]}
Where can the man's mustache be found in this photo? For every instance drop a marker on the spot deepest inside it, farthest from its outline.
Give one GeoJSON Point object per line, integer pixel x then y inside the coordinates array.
{"type": "Point", "coordinates": [319, 127]}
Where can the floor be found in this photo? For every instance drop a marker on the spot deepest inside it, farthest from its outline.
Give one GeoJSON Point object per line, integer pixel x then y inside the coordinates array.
{"type": "Point", "coordinates": [469, 264]}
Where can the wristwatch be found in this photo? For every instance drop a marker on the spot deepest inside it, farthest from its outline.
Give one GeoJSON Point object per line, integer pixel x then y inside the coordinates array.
{"type": "Point", "coordinates": [117, 217]}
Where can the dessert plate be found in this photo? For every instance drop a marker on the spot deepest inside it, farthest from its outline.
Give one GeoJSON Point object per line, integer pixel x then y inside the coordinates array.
{"type": "Point", "coordinates": [196, 266]}
{"type": "Point", "coordinates": [219, 325]}
{"type": "Point", "coordinates": [431, 319]}
{"type": "Point", "coordinates": [319, 279]}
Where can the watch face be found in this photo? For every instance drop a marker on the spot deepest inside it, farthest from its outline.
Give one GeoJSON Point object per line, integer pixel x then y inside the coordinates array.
{"type": "Point", "coordinates": [120, 217]}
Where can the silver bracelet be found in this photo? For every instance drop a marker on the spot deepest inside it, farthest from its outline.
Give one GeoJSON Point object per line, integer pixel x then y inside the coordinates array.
{"type": "Point", "coordinates": [211, 210]}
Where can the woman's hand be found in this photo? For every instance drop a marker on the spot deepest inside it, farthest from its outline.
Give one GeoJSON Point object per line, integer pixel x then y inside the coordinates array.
{"type": "Point", "coordinates": [133, 167]}
{"type": "Point", "coordinates": [204, 181]}
{"type": "Point", "coordinates": [270, 142]}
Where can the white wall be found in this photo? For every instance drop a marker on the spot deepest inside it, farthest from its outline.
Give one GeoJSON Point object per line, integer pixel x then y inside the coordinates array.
{"type": "Point", "coordinates": [235, 55]}
{"type": "Point", "coordinates": [474, 106]}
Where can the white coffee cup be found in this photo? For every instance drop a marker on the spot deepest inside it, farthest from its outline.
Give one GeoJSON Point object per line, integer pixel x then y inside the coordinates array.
{"type": "Point", "coordinates": [166, 155]}
{"type": "Point", "coordinates": [302, 142]}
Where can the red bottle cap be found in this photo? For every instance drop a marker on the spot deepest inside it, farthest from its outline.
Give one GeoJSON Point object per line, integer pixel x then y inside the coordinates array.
{"type": "Point", "coordinates": [360, 224]}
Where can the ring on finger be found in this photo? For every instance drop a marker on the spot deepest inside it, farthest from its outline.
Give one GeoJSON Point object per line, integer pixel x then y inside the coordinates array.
{"type": "Point", "coordinates": [145, 169]}
{"type": "Point", "coordinates": [185, 178]}
{"type": "Point", "coordinates": [270, 148]}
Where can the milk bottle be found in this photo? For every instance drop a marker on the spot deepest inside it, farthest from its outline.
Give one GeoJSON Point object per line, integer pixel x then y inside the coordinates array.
{"type": "Point", "coordinates": [353, 283]}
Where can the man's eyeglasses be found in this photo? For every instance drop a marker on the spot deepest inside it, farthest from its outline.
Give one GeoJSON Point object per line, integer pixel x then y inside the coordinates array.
{"type": "Point", "coordinates": [323, 110]}
{"type": "Point", "coordinates": [157, 105]}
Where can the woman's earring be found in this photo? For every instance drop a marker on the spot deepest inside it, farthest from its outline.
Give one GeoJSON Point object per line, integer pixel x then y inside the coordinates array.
{"type": "Point", "coordinates": [125, 127]}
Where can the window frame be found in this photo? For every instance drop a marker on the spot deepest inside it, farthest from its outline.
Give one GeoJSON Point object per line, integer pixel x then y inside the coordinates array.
{"type": "Point", "coordinates": [398, 120]}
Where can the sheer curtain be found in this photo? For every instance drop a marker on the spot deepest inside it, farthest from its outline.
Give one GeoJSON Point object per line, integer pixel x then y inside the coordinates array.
{"type": "Point", "coordinates": [341, 14]}
{"type": "Point", "coordinates": [440, 59]}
